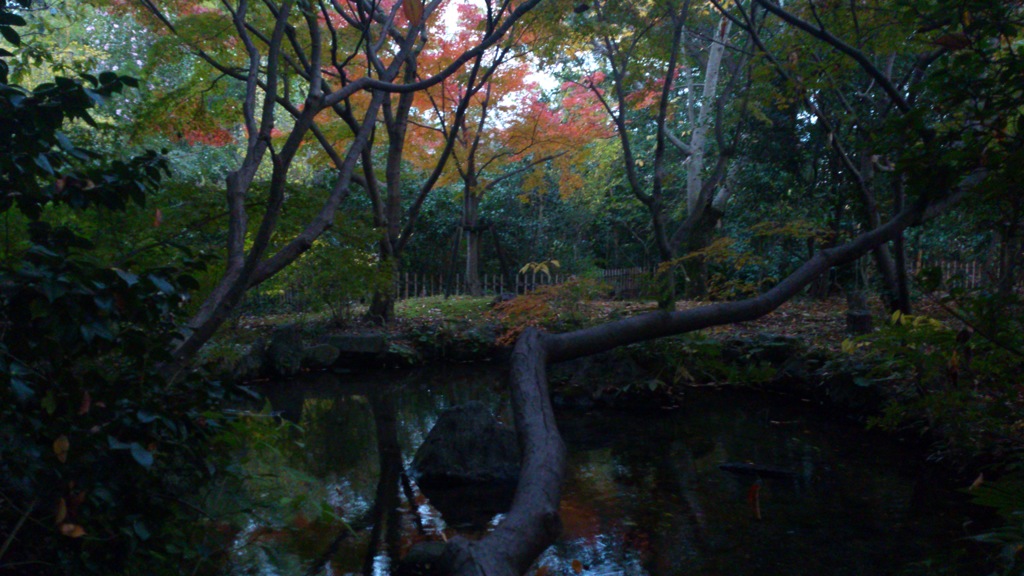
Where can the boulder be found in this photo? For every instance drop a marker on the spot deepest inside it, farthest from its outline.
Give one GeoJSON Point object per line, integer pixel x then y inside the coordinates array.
{"type": "Point", "coordinates": [467, 445]}
{"type": "Point", "coordinates": [320, 356]}
{"type": "Point", "coordinates": [502, 298]}
{"type": "Point", "coordinates": [360, 349]}
{"type": "Point", "coordinates": [250, 366]}
{"type": "Point", "coordinates": [285, 352]}
{"type": "Point", "coordinates": [402, 354]}
{"type": "Point", "coordinates": [471, 506]}
{"type": "Point", "coordinates": [475, 343]}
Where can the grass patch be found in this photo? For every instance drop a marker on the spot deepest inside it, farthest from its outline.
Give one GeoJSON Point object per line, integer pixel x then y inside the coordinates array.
{"type": "Point", "coordinates": [440, 308]}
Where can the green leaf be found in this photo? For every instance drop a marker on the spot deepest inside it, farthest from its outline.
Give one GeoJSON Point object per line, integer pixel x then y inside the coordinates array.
{"type": "Point", "coordinates": [129, 278]}
{"type": "Point", "coordinates": [107, 77]}
{"type": "Point", "coordinates": [10, 19]}
{"type": "Point", "coordinates": [141, 455]}
{"type": "Point", "coordinates": [43, 162]}
{"type": "Point", "coordinates": [161, 284]}
{"type": "Point", "coordinates": [65, 144]}
{"type": "Point", "coordinates": [21, 389]}
{"type": "Point", "coordinates": [116, 444]}
{"type": "Point", "coordinates": [141, 530]}
{"type": "Point", "coordinates": [49, 403]}
{"type": "Point", "coordinates": [94, 330]}
{"type": "Point", "coordinates": [96, 98]}
{"type": "Point", "coordinates": [11, 35]}
{"type": "Point", "coordinates": [146, 417]}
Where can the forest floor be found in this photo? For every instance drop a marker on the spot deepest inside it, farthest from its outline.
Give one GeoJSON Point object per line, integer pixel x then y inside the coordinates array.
{"type": "Point", "coordinates": [818, 323]}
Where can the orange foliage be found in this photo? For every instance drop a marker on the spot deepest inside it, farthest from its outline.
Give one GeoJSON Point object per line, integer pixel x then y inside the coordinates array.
{"type": "Point", "coordinates": [508, 125]}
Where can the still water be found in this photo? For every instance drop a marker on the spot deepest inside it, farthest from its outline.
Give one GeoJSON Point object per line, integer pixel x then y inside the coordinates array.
{"type": "Point", "coordinates": [645, 493]}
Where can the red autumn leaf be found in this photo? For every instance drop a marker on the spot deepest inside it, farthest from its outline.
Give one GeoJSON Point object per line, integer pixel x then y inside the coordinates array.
{"type": "Point", "coordinates": [953, 42]}
{"type": "Point", "coordinates": [413, 10]}
{"type": "Point", "coordinates": [86, 404]}
{"type": "Point", "coordinates": [60, 447]}
{"type": "Point", "coordinates": [72, 530]}
{"type": "Point", "coordinates": [62, 511]}
{"type": "Point", "coordinates": [754, 498]}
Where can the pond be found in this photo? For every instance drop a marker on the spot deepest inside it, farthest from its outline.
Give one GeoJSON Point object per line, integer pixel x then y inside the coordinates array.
{"type": "Point", "coordinates": [645, 493]}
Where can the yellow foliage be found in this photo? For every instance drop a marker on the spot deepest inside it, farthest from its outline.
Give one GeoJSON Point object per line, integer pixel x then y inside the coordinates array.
{"type": "Point", "coordinates": [60, 447]}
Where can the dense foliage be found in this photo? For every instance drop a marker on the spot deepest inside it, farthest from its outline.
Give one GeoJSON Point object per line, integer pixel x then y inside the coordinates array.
{"type": "Point", "coordinates": [103, 439]}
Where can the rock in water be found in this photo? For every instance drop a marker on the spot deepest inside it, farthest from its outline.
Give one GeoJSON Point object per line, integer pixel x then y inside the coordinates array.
{"type": "Point", "coordinates": [467, 445]}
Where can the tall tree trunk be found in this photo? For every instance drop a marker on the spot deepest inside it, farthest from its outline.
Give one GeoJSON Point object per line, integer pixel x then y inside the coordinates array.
{"type": "Point", "coordinates": [698, 197]}
{"type": "Point", "coordinates": [699, 140]}
{"type": "Point", "coordinates": [899, 246]}
{"type": "Point", "coordinates": [471, 225]}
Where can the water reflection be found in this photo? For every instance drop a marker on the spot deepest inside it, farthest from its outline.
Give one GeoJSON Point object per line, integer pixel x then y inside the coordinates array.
{"type": "Point", "coordinates": [645, 493]}
{"type": "Point", "coordinates": [359, 434]}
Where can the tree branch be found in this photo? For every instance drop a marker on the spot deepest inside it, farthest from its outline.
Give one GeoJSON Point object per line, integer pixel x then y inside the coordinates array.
{"type": "Point", "coordinates": [858, 56]}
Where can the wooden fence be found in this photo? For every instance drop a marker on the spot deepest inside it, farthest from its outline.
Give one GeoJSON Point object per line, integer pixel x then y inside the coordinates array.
{"type": "Point", "coordinates": [967, 275]}
{"type": "Point", "coordinates": [304, 294]}
{"type": "Point", "coordinates": [625, 283]}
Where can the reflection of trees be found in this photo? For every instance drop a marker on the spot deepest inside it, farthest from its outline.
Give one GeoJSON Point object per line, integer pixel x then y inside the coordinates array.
{"type": "Point", "coordinates": [356, 429]}
{"type": "Point", "coordinates": [340, 437]}
{"type": "Point", "coordinates": [384, 513]}
{"type": "Point", "coordinates": [384, 518]}
{"type": "Point", "coordinates": [637, 493]}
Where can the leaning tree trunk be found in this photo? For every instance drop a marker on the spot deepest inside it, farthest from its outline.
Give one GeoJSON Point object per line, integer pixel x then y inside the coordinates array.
{"type": "Point", "coordinates": [532, 523]}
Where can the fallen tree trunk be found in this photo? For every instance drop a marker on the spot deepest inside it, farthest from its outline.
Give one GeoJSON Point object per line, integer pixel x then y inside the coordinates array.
{"type": "Point", "coordinates": [532, 523]}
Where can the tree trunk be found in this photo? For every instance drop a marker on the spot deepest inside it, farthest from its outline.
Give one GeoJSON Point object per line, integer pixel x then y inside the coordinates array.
{"type": "Point", "coordinates": [532, 523]}
{"type": "Point", "coordinates": [694, 176]}
{"type": "Point", "coordinates": [382, 305]}
{"type": "Point", "coordinates": [890, 277]}
{"type": "Point", "coordinates": [473, 262]}
{"type": "Point", "coordinates": [471, 226]}
{"type": "Point", "coordinates": [899, 247]}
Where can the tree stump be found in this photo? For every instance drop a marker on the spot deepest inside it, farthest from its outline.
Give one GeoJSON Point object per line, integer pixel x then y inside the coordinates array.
{"type": "Point", "coordinates": [858, 316]}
